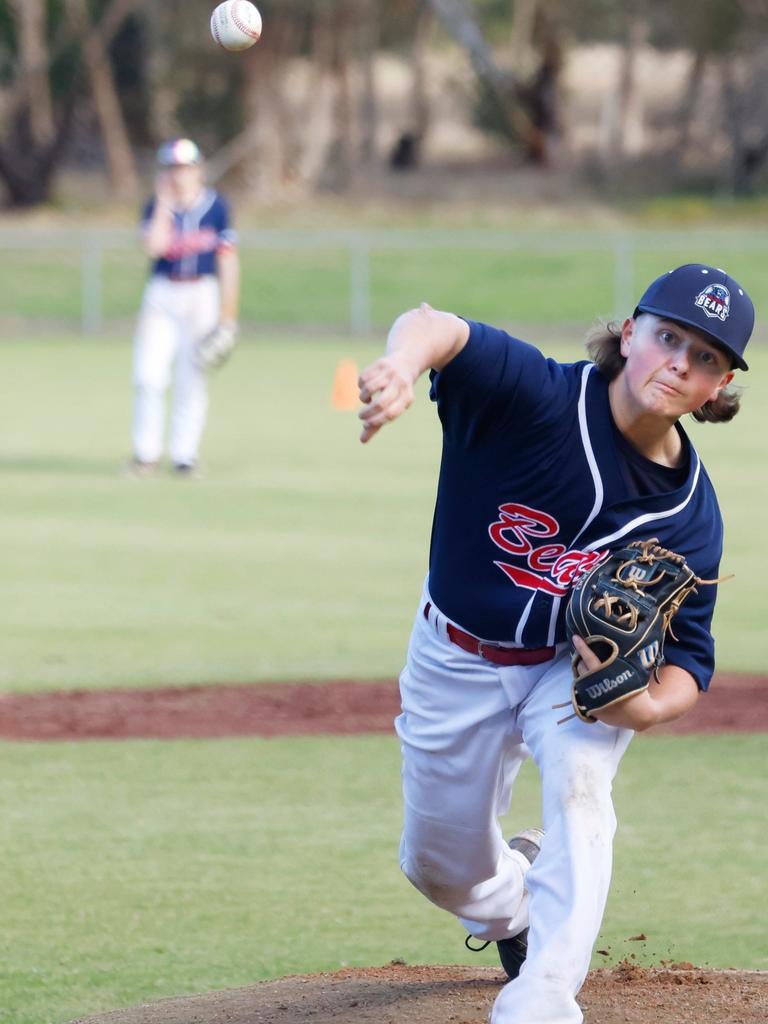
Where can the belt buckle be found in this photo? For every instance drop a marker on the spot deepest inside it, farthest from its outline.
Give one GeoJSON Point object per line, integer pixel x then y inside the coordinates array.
{"type": "Point", "coordinates": [491, 647]}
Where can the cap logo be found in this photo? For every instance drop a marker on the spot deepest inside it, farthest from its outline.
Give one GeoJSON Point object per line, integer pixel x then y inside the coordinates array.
{"type": "Point", "coordinates": [715, 300]}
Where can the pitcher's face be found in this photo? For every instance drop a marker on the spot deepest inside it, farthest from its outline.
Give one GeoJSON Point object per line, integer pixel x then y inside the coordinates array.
{"type": "Point", "coordinates": [671, 369]}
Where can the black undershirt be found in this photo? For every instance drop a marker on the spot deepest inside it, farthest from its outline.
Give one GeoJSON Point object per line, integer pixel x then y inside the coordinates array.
{"type": "Point", "coordinates": [643, 476]}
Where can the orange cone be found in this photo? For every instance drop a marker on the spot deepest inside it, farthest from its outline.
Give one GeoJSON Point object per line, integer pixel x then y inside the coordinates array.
{"type": "Point", "coordinates": [346, 394]}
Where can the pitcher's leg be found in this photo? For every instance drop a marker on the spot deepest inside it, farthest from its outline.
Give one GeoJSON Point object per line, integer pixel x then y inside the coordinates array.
{"type": "Point", "coordinates": [568, 884]}
{"type": "Point", "coordinates": [461, 752]}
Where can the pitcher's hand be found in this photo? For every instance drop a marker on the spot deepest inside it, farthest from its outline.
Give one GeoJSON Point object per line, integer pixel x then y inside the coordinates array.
{"type": "Point", "coordinates": [386, 390]}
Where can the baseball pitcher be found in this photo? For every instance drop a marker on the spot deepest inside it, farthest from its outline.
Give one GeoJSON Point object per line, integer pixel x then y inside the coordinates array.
{"type": "Point", "coordinates": [553, 474]}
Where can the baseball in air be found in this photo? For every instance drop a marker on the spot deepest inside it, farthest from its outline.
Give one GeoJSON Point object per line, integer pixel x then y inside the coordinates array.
{"type": "Point", "coordinates": [236, 25]}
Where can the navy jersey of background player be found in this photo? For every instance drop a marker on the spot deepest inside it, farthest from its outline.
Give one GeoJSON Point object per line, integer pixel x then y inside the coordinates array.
{"type": "Point", "coordinates": [198, 235]}
{"type": "Point", "coordinates": [536, 484]}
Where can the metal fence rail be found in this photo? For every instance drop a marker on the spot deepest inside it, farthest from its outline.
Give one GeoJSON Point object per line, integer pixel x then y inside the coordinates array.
{"type": "Point", "coordinates": [83, 255]}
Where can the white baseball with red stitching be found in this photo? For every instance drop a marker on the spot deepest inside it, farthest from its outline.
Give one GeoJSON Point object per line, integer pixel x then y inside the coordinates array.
{"type": "Point", "coordinates": [236, 25]}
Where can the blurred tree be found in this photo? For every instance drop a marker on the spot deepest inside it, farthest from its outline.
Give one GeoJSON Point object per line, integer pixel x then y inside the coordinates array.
{"type": "Point", "coordinates": [307, 95]}
{"type": "Point", "coordinates": [33, 83]}
{"type": "Point", "coordinates": [727, 39]}
{"type": "Point", "coordinates": [120, 159]}
{"type": "Point", "coordinates": [409, 144]}
{"type": "Point", "coordinates": [44, 47]}
{"type": "Point", "coordinates": [368, 41]}
{"type": "Point", "coordinates": [525, 111]}
{"type": "Point", "coordinates": [35, 132]}
{"type": "Point", "coordinates": [624, 130]}
{"type": "Point", "coordinates": [304, 107]}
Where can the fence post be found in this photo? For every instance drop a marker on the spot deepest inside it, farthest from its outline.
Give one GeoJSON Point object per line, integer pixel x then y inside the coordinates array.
{"type": "Point", "coordinates": [92, 279]}
{"type": "Point", "coordinates": [623, 277]}
{"type": "Point", "coordinates": [360, 286]}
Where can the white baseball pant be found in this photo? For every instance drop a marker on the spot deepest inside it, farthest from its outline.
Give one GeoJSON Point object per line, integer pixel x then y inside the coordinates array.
{"type": "Point", "coordinates": [174, 316]}
{"type": "Point", "coordinates": [466, 728]}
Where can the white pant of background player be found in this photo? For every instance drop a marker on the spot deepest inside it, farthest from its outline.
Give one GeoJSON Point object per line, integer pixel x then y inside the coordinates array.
{"type": "Point", "coordinates": [466, 728]}
{"type": "Point", "coordinates": [174, 316]}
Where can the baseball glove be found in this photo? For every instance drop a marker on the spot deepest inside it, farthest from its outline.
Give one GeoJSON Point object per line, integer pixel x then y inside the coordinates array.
{"type": "Point", "coordinates": [216, 346]}
{"type": "Point", "coordinates": [623, 609]}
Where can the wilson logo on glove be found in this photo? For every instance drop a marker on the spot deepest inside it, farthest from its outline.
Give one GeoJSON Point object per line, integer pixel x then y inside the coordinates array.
{"type": "Point", "coordinates": [606, 685]}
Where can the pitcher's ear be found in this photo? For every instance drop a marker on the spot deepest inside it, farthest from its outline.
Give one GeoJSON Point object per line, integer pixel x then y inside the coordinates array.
{"type": "Point", "coordinates": [627, 330]}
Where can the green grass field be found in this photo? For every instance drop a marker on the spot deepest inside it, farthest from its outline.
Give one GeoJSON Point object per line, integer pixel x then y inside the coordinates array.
{"type": "Point", "coordinates": [514, 274]}
{"type": "Point", "coordinates": [139, 870]}
{"type": "Point", "coordinates": [299, 555]}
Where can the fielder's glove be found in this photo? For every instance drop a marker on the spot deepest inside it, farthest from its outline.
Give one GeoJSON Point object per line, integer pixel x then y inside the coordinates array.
{"type": "Point", "coordinates": [622, 609]}
{"type": "Point", "coordinates": [216, 347]}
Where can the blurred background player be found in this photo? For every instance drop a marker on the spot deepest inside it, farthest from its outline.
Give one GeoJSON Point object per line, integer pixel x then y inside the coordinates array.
{"type": "Point", "coordinates": [187, 323]}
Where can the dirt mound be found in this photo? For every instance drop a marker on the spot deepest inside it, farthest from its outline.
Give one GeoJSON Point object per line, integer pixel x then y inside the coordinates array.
{"type": "Point", "coordinates": [397, 994]}
{"type": "Point", "coordinates": [735, 703]}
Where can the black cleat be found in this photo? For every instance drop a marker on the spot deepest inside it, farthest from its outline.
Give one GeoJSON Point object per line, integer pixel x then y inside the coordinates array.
{"type": "Point", "coordinates": [186, 470]}
{"type": "Point", "coordinates": [512, 952]}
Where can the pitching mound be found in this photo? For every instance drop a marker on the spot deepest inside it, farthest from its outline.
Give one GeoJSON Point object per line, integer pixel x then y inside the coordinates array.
{"type": "Point", "coordinates": [675, 994]}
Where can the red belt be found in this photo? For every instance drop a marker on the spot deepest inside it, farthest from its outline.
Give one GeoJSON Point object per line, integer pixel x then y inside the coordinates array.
{"type": "Point", "coordinates": [495, 653]}
{"type": "Point", "coordinates": [181, 278]}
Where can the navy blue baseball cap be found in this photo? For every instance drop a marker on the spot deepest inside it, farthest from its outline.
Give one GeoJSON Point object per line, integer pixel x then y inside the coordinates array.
{"type": "Point", "coordinates": [708, 299]}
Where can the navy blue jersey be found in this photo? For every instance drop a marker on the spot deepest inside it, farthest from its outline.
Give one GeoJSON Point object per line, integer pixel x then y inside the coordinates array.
{"type": "Point", "coordinates": [200, 233]}
{"type": "Point", "coordinates": [534, 488]}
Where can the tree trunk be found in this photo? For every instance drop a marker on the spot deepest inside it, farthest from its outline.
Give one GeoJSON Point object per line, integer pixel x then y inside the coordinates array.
{"type": "Point", "coordinates": [336, 174]}
{"type": "Point", "coordinates": [632, 111]}
{"type": "Point", "coordinates": [159, 85]}
{"type": "Point", "coordinates": [122, 167]}
{"type": "Point", "coordinates": [541, 93]}
{"type": "Point", "coordinates": [368, 36]}
{"type": "Point", "coordinates": [408, 147]}
{"type": "Point", "coordinates": [734, 124]}
{"type": "Point", "coordinates": [26, 169]}
{"type": "Point", "coordinates": [318, 102]}
{"type": "Point", "coordinates": [688, 104]}
{"type": "Point", "coordinates": [502, 87]}
{"type": "Point", "coordinates": [523, 25]}
{"type": "Point", "coordinates": [34, 90]}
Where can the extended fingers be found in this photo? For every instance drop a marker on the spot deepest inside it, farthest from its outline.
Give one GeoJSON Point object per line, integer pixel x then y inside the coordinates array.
{"type": "Point", "coordinates": [370, 385]}
{"type": "Point", "coordinates": [389, 404]}
{"type": "Point", "coordinates": [384, 393]}
{"type": "Point", "coordinates": [368, 432]}
{"type": "Point", "coordinates": [374, 378]}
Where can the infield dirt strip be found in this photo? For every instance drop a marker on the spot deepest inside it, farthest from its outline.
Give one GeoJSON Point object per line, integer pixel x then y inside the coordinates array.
{"type": "Point", "coordinates": [735, 703]}
{"type": "Point", "coordinates": [674, 993]}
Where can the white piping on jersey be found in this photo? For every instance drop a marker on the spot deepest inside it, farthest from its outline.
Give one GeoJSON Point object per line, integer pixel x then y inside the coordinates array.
{"type": "Point", "coordinates": [522, 621]}
{"type": "Point", "coordinates": [188, 263]}
{"type": "Point", "coordinates": [553, 621]}
{"type": "Point", "coordinates": [206, 202]}
{"type": "Point", "coordinates": [588, 451]}
{"type": "Point", "coordinates": [649, 517]}
{"type": "Point", "coordinates": [191, 220]}
{"type": "Point", "coordinates": [596, 478]}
